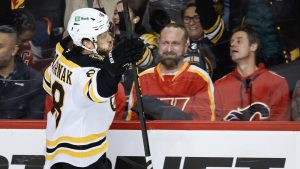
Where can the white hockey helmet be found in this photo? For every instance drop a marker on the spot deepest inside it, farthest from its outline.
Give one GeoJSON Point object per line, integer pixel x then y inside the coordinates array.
{"type": "Point", "coordinates": [87, 23]}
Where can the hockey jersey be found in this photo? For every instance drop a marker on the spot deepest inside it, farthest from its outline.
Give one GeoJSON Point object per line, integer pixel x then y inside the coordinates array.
{"type": "Point", "coordinates": [263, 95]}
{"type": "Point", "coordinates": [26, 54]}
{"type": "Point", "coordinates": [190, 89]}
{"type": "Point", "coordinates": [80, 117]}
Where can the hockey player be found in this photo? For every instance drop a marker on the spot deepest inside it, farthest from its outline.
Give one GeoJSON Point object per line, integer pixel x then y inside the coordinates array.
{"type": "Point", "coordinates": [82, 81]}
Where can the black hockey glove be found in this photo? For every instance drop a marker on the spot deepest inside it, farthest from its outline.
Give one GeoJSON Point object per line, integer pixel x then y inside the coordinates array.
{"type": "Point", "coordinates": [125, 52]}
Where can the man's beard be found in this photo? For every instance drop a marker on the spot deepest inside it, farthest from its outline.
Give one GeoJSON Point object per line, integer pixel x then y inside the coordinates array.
{"type": "Point", "coordinates": [169, 62]}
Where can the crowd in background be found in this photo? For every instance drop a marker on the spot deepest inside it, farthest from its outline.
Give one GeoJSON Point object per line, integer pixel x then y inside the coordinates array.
{"type": "Point", "coordinates": [209, 54]}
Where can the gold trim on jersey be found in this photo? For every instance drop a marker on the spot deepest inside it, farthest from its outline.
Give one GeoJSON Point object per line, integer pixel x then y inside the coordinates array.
{"type": "Point", "coordinates": [63, 59]}
{"type": "Point", "coordinates": [214, 27]}
{"type": "Point", "coordinates": [185, 65]}
{"type": "Point", "coordinates": [150, 70]}
{"type": "Point", "coordinates": [85, 139]}
{"type": "Point", "coordinates": [15, 4]}
{"type": "Point", "coordinates": [146, 59]}
{"type": "Point", "coordinates": [47, 82]}
{"type": "Point", "coordinates": [216, 31]}
{"type": "Point", "coordinates": [46, 87]}
{"type": "Point", "coordinates": [150, 39]}
{"type": "Point", "coordinates": [159, 74]}
{"type": "Point", "coordinates": [210, 92]}
{"type": "Point", "coordinates": [85, 89]}
{"type": "Point", "coordinates": [79, 154]}
{"type": "Point", "coordinates": [90, 93]}
{"type": "Point", "coordinates": [93, 96]}
{"type": "Point", "coordinates": [219, 35]}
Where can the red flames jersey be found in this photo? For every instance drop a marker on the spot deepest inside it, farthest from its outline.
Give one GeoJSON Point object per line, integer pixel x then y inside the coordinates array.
{"type": "Point", "coordinates": [26, 54]}
{"type": "Point", "coordinates": [263, 95]}
{"type": "Point", "coordinates": [190, 89]}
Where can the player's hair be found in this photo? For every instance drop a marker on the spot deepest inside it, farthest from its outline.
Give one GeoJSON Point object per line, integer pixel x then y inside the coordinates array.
{"type": "Point", "coordinates": [23, 20]}
{"type": "Point", "coordinates": [179, 26]}
{"type": "Point", "coordinates": [253, 36]}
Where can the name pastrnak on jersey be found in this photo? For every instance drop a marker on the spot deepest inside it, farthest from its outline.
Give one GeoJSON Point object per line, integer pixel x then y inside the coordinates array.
{"type": "Point", "coordinates": [80, 118]}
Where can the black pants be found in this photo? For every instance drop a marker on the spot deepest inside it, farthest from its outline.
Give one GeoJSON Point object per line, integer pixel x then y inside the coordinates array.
{"type": "Point", "coordinates": [102, 163]}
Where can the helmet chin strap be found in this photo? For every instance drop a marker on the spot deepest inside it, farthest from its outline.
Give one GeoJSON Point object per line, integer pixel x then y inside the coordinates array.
{"type": "Point", "coordinates": [92, 50]}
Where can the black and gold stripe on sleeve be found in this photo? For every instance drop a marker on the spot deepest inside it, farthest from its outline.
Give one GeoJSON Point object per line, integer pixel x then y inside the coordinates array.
{"type": "Point", "coordinates": [77, 147]}
{"type": "Point", "coordinates": [91, 92]}
{"type": "Point", "coordinates": [47, 82]}
{"type": "Point", "coordinates": [216, 31]}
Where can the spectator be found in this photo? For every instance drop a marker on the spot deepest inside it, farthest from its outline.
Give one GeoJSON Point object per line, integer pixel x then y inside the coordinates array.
{"type": "Point", "coordinates": [214, 30]}
{"type": "Point", "coordinates": [277, 21]}
{"type": "Point", "coordinates": [250, 92]}
{"type": "Point", "coordinates": [21, 92]}
{"type": "Point", "coordinates": [176, 82]}
{"type": "Point", "coordinates": [136, 12]}
{"type": "Point", "coordinates": [24, 22]}
{"type": "Point", "coordinates": [199, 52]}
{"type": "Point", "coordinates": [158, 19]}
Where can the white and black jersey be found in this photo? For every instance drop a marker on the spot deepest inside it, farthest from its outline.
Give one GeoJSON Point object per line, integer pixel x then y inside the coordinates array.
{"type": "Point", "coordinates": [80, 118]}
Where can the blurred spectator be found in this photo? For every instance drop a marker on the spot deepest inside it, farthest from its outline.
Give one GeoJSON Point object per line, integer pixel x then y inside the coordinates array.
{"type": "Point", "coordinates": [136, 14]}
{"type": "Point", "coordinates": [250, 92]}
{"type": "Point", "coordinates": [24, 22]}
{"type": "Point", "coordinates": [54, 11]}
{"type": "Point", "coordinates": [21, 92]}
{"type": "Point", "coordinates": [158, 19]}
{"type": "Point", "coordinates": [49, 27]}
{"type": "Point", "coordinates": [289, 71]}
{"type": "Point", "coordinates": [214, 30]}
{"type": "Point", "coordinates": [199, 52]}
{"type": "Point", "coordinates": [175, 82]}
{"type": "Point", "coordinates": [278, 22]}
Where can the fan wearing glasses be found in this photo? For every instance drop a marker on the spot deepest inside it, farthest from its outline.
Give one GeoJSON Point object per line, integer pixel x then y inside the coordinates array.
{"type": "Point", "coordinates": [208, 47]}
